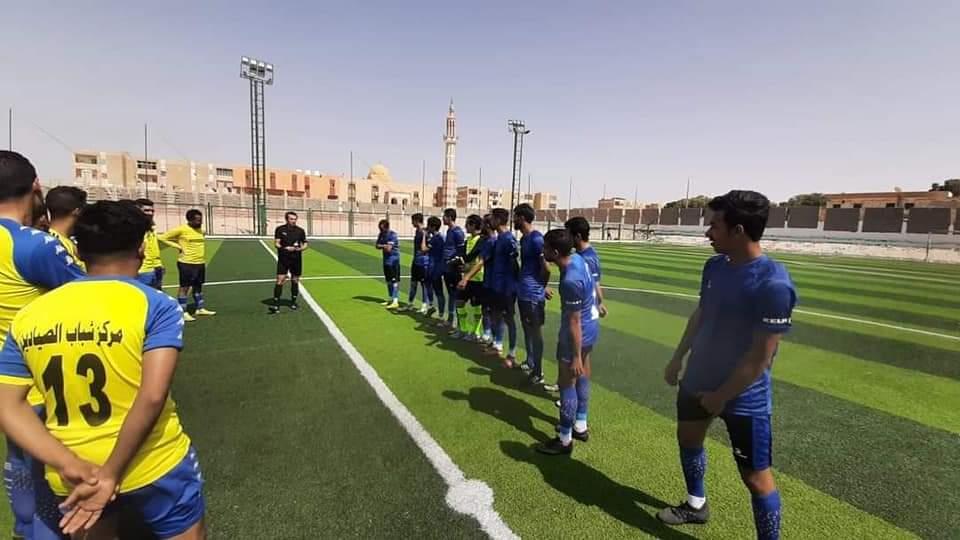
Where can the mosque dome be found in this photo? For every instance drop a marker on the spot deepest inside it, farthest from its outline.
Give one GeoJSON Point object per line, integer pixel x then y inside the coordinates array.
{"type": "Point", "coordinates": [379, 172]}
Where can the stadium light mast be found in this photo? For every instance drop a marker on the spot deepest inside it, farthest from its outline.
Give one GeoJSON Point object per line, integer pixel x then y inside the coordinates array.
{"type": "Point", "coordinates": [519, 129]}
{"type": "Point", "coordinates": [259, 73]}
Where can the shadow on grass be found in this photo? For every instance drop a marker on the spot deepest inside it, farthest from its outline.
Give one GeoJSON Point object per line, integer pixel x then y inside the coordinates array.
{"type": "Point", "coordinates": [506, 408]}
{"type": "Point", "coordinates": [591, 487]}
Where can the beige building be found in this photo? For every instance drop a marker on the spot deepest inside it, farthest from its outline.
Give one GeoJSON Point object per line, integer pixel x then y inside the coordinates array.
{"type": "Point", "coordinates": [892, 199]}
{"type": "Point", "coordinates": [611, 203]}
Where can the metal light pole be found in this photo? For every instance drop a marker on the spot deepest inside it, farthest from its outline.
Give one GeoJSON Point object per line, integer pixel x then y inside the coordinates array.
{"type": "Point", "coordinates": [258, 73]}
{"type": "Point", "coordinates": [519, 129]}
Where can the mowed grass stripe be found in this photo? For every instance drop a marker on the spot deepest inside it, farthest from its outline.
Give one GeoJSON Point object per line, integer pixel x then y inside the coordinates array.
{"type": "Point", "coordinates": [851, 452]}
{"type": "Point", "coordinates": [289, 435]}
{"type": "Point", "coordinates": [611, 487]}
{"type": "Point", "coordinates": [928, 400]}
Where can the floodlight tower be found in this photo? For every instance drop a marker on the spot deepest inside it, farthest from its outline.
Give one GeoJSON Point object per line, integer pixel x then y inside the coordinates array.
{"type": "Point", "coordinates": [258, 73]}
{"type": "Point", "coordinates": [519, 129]}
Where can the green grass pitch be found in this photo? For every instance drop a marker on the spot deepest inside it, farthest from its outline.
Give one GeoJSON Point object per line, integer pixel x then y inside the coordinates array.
{"type": "Point", "coordinates": [295, 444]}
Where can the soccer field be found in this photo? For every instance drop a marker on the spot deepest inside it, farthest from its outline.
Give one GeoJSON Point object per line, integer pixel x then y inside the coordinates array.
{"type": "Point", "coordinates": [295, 443]}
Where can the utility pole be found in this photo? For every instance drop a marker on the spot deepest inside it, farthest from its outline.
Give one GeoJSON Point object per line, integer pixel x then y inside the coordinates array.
{"type": "Point", "coordinates": [480, 189]}
{"type": "Point", "coordinates": [570, 196]}
{"type": "Point", "coordinates": [686, 199]}
{"type": "Point", "coordinates": [146, 173]}
{"type": "Point", "coordinates": [423, 182]}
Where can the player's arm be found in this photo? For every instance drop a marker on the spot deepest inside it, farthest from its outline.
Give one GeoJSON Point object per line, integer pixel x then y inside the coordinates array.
{"type": "Point", "coordinates": [423, 243]}
{"type": "Point", "coordinates": [576, 337]}
{"type": "Point", "coordinates": [304, 244]}
{"type": "Point", "coordinates": [750, 368]}
{"type": "Point", "coordinates": [276, 238]}
{"type": "Point", "coordinates": [47, 266]}
{"type": "Point", "coordinates": [474, 270]}
{"type": "Point", "coordinates": [686, 342]}
{"type": "Point", "coordinates": [171, 238]}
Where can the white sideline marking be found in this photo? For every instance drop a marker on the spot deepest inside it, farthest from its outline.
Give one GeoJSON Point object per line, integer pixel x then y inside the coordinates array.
{"type": "Point", "coordinates": [272, 280]}
{"type": "Point", "coordinates": [805, 312]}
{"type": "Point", "coordinates": [471, 497]}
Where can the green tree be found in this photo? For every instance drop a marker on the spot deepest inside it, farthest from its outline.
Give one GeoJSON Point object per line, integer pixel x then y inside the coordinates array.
{"type": "Point", "coordinates": [700, 201]}
{"type": "Point", "coordinates": [808, 199]}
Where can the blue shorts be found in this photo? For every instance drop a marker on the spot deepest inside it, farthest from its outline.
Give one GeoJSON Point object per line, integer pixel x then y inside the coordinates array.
{"type": "Point", "coordinates": [565, 355]}
{"type": "Point", "coordinates": [153, 278]}
{"type": "Point", "coordinates": [172, 504]}
{"type": "Point", "coordinates": [34, 505]}
{"type": "Point", "coordinates": [751, 437]}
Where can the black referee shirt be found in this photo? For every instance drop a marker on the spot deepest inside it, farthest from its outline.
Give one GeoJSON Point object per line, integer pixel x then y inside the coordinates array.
{"type": "Point", "coordinates": [290, 235]}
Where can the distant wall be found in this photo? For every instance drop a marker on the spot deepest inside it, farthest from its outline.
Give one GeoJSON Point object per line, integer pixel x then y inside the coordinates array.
{"type": "Point", "coordinates": [803, 217]}
{"type": "Point", "coordinates": [842, 219]}
{"type": "Point", "coordinates": [885, 220]}
{"type": "Point", "coordinates": [690, 216]}
{"type": "Point", "coordinates": [928, 220]}
{"type": "Point", "coordinates": [778, 218]}
{"type": "Point", "coordinates": [669, 216]}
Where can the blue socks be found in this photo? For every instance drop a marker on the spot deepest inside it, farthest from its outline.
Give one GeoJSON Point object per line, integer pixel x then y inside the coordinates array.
{"type": "Point", "coordinates": [413, 292]}
{"type": "Point", "coordinates": [766, 516]}
{"type": "Point", "coordinates": [583, 400]}
{"type": "Point", "coordinates": [198, 299]}
{"type": "Point", "coordinates": [568, 408]}
{"type": "Point", "coordinates": [183, 302]}
{"type": "Point", "coordinates": [694, 464]}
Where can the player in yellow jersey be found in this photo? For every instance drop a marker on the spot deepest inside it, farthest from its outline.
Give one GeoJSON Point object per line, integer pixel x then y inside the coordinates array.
{"type": "Point", "coordinates": [63, 205]}
{"type": "Point", "coordinates": [471, 286]}
{"type": "Point", "coordinates": [190, 240]}
{"type": "Point", "coordinates": [151, 271]}
{"type": "Point", "coordinates": [106, 372]}
{"type": "Point", "coordinates": [31, 263]}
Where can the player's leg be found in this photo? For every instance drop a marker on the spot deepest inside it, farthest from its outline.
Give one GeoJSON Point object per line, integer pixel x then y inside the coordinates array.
{"type": "Point", "coordinates": [18, 480]}
{"type": "Point", "coordinates": [173, 506]}
{"type": "Point", "coordinates": [437, 283]}
{"type": "Point", "coordinates": [692, 424]}
{"type": "Point", "coordinates": [580, 430]}
{"type": "Point", "coordinates": [186, 272]}
{"type": "Point", "coordinates": [476, 310]}
{"type": "Point", "coordinates": [509, 319]}
{"type": "Point", "coordinates": [159, 272]}
{"type": "Point", "coordinates": [414, 281]}
{"type": "Point", "coordinates": [296, 270]}
{"type": "Point", "coordinates": [562, 444]}
{"type": "Point", "coordinates": [427, 287]}
{"type": "Point", "coordinates": [450, 280]}
{"type": "Point", "coordinates": [394, 280]}
{"type": "Point", "coordinates": [198, 291]}
{"type": "Point", "coordinates": [386, 280]}
{"type": "Point", "coordinates": [752, 442]}
{"type": "Point", "coordinates": [282, 270]}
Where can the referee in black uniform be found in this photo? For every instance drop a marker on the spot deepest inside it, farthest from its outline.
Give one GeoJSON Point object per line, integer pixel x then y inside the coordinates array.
{"type": "Point", "coordinates": [290, 241]}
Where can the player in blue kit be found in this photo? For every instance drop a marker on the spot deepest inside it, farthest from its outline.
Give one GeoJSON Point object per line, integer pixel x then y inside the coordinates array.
{"type": "Point", "coordinates": [506, 272]}
{"type": "Point", "coordinates": [389, 244]}
{"type": "Point", "coordinates": [579, 330]}
{"type": "Point", "coordinates": [746, 303]}
{"type": "Point", "coordinates": [531, 291]}
{"type": "Point", "coordinates": [579, 228]}
{"type": "Point", "coordinates": [420, 267]}
{"type": "Point", "coordinates": [454, 252]}
{"type": "Point", "coordinates": [435, 244]}
{"type": "Point", "coordinates": [489, 242]}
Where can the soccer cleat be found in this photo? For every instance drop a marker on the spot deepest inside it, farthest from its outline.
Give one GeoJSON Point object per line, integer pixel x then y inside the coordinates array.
{"type": "Point", "coordinates": [206, 312]}
{"type": "Point", "coordinates": [424, 309]}
{"type": "Point", "coordinates": [385, 303]}
{"type": "Point", "coordinates": [554, 447]}
{"type": "Point", "coordinates": [294, 306]}
{"type": "Point", "coordinates": [188, 317]}
{"type": "Point", "coordinates": [393, 305]}
{"type": "Point", "coordinates": [430, 311]}
{"type": "Point", "coordinates": [557, 403]}
{"type": "Point", "coordinates": [551, 388]}
{"type": "Point", "coordinates": [534, 380]}
{"type": "Point", "coordinates": [274, 310]}
{"type": "Point", "coordinates": [684, 513]}
{"type": "Point", "coordinates": [578, 435]}
{"type": "Point", "coordinates": [527, 369]}
{"type": "Point", "coordinates": [456, 334]}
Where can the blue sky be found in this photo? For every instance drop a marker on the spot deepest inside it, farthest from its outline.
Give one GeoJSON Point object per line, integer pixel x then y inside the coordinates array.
{"type": "Point", "coordinates": [638, 95]}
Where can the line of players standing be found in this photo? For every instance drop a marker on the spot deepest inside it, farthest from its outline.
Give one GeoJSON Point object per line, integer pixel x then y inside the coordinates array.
{"type": "Point", "coordinates": [477, 280]}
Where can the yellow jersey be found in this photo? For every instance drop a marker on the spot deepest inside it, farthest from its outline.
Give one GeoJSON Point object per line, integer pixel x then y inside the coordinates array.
{"type": "Point", "coordinates": [31, 263]}
{"type": "Point", "coordinates": [151, 252]}
{"type": "Point", "coordinates": [88, 362]}
{"type": "Point", "coordinates": [69, 245]}
{"type": "Point", "coordinates": [471, 245]}
{"type": "Point", "coordinates": [189, 240]}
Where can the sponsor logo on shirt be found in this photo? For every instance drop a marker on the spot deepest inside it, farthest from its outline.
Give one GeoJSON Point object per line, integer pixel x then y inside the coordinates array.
{"type": "Point", "coordinates": [770, 320]}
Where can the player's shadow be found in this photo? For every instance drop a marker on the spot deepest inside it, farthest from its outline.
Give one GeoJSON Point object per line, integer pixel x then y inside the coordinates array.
{"type": "Point", "coordinates": [506, 408]}
{"type": "Point", "coordinates": [283, 302]}
{"type": "Point", "coordinates": [372, 299]}
{"type": "Point", "coordinates": [590, 487]}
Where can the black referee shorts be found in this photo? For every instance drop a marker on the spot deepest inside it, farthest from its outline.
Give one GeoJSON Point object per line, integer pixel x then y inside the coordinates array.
{"type": "Point", "coordinates": [292, 264]}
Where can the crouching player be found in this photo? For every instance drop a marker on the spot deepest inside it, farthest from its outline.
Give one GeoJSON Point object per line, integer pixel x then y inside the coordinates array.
{"type": "Point", "coordinates": [106, 371]}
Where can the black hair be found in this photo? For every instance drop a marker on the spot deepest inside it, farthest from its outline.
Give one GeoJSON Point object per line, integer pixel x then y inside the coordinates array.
{"type": "Point", "coordinates": [384, 222]}
{"type": "Point", "coordinates": [578, 226]}
{"type": "Point", "coordinates": [17, 175]}
{"type": "Point", "coordinates": [748, 209]}
{"type": "Point", "coordinates": [289, 213]}
{"type": "Point", "coordinates": [434, 222]}
{"type": "Point", "coordinates": [499, 216]}
{"type": "Point", "coordinates": [193, 212]}
{"type": "Point", "coordinates": [63, 200]}
{"type": "Point", "coordinates": [144, 202]}
{"type": "Point", "coordinates": [450, 213]}
{"type": "Point", "coordinates": [526, 212]}
{"type": "Point", "coordinates": [417, 218]}
{"type": "Point", "coordinates": [560, 240]}
{"type": "Point", "coordinates": [475, 221]}
{"type": "Point", "coordinates": [110, 228]}
{"type": "Point", "coordinates": [488, 225]}
{"type": "Point", "coordinates": [39, 218]}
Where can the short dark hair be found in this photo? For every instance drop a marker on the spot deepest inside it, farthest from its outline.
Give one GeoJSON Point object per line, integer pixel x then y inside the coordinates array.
{"type": "Point", "coordinates": [433, 221]}
{"type": "Point", "coordinates": [748, 209]}
{"type": "Point", "coordinates": [499, 216]}
{"type": "Point", "coordinates": [61, 201]}
{"type": "Point", "coordinates": [417, 218]}
{"type": "Point", "coordinates": [144, 202]}
{"type": "Point", "coordinates": [578, 226]}
{"type": "Point", "coordinates": [475, 221]}
{"type": "Point", "coordinates": [193, 212]}
{"type": "Point", "coordinates": [290, 213]}
{"type": "Point", "coordinates": [560, 240]}
{"type": "Point", "coordinates": [39, 213]}
{"type": "Point", "coordinates": [384, 222]}
{"type": "Point", "coordinates": [488, 222]}
{"type": "Point", "coordinates": [17, 175]}
{"type": "Point", "coordinates": [109, 228]}
{"type": "Point", "coordinates": [526, 212]}
{"type": "Point", "coordinates": [450, 213]}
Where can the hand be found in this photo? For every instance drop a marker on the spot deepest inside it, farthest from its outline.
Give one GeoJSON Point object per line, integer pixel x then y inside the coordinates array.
{"type": "Point", "coordinates": [462, 285]}
{"type": "Point", "coordinates": [290, 248]}
{"type": "Point", "coordinates": [712, 402]}
{"type": "Point", "coordinates": [603, 310]}
{"type": "Point", "coordinates": [548, 293]}
{"type": "Point", "coordinates": [672, 371]}
{"type": "Point", "coordinates": [86, 503]}
{"type": "Point", "coordinates": [577, 366]}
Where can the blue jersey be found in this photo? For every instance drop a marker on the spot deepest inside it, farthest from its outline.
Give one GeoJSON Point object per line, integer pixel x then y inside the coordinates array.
{"type": "Point", "coordinates": [486, 252]}
{"type": "Point", "coordinates": [505, 253]}
{"type": "Point", "coordinates": [390, 237]}
{"type": "Point", "coordinates": [420, 258]}
{"type": "Point", "coordinates": [437, 263]}
{"type": "Point", "coordinates": [531, 287]}
{"type": "Point", "coordinates": [735, 302]}
{"type": "Point", "coordinates": [577, 293]}
{"type": "Point", "coordinates": [593, 263]}
{"type": "Point", "coordinates": [455, 244]}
